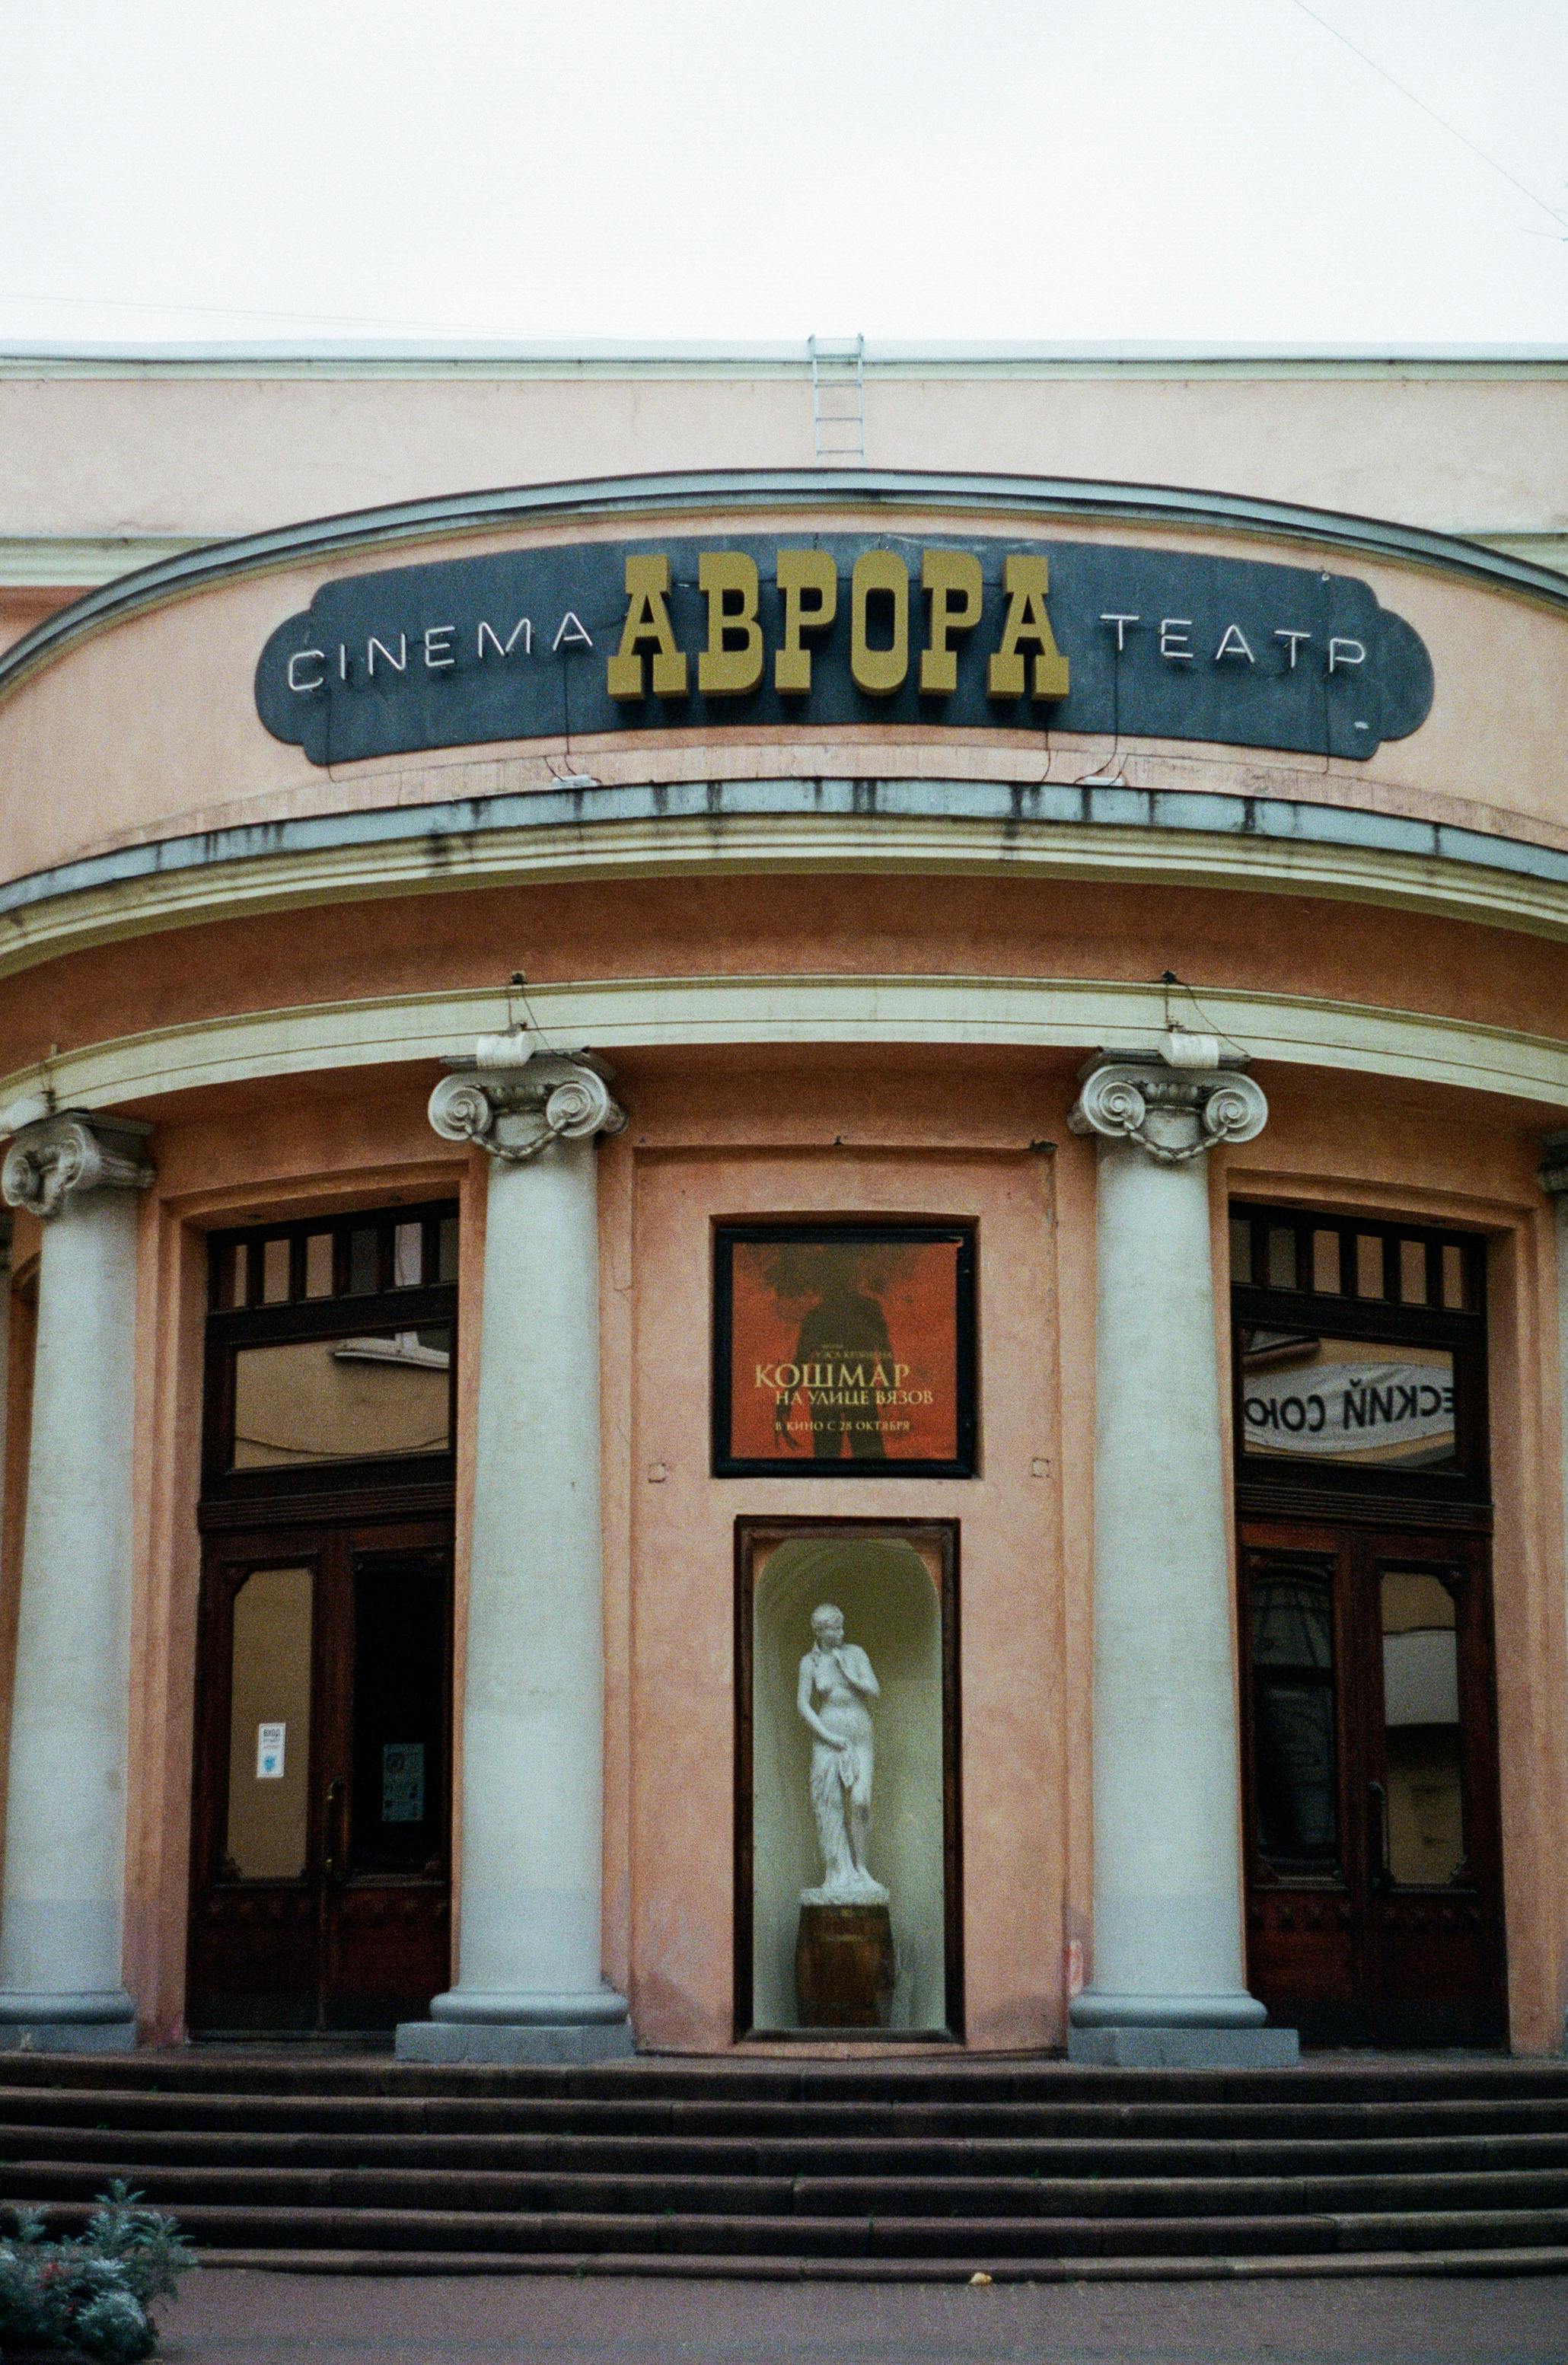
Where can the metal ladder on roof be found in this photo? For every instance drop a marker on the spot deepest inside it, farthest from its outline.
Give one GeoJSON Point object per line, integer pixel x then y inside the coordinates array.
{"type": "Point", "coordinates": [838, 401]}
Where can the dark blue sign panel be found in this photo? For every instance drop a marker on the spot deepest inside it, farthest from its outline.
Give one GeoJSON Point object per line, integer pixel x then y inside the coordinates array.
{"type": "Point", "coordinates": [832, 629]}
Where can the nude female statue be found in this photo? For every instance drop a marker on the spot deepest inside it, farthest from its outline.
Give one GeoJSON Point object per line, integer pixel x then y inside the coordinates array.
{"type": "Point", "coordinates": [835, 1683]}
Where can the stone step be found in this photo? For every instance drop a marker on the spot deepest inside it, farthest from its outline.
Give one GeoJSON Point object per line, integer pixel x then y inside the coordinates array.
{"type": "Point", "coordinates": [927, 2267]}
{"type": "Point", "coordinates": [821, 2198]}
{"type": "Point", "coordinates": [521, 2152]}
{"type": "Point", "coordinates": [739, 2234]}
{"type": "Point", "coordinates": [879, 2169]}
{"type": "Point", "coordinates": [129, 2108]}
{"type": "Point", "coordinates": [947, 2080]}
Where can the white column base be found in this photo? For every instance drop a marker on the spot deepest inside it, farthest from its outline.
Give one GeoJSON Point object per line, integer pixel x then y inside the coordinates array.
{"type": "Point", "coordinates": [100, 2021]}
{"type": "Point", "coordinates": [474, 2024]}
{"type": "Point", "coordinates": [1225, 2031]}
{"type": "Point", "coordinates": [1169, 2047]}
{"type": "Point", "coordinates": [1229, 2007]}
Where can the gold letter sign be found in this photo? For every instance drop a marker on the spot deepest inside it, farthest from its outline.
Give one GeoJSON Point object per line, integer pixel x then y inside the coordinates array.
{"type": "Point", "coordinates": [812, 626]}
{"type": "Point", "coordinates": [730, 665]}
{"type": "Point", "coordinates": [647, 624]}
{"type": "Point", "coordinates": [952, 577]}
{"type": "Point", "coordinates": [878, 672]}
{"type": "Point", "coordinates": [1026, 583]}
{"type": "Point", "coordinates": [808, 585]}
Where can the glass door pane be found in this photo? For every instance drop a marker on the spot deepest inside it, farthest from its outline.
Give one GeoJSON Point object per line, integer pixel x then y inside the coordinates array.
{"type": "Point", "coordinates": [1425, 1837]}
{"type": "Point", "coordinates": [1353, 1404]}
{"type": "Point", "coordinates": [312, 1401]}
{"type": "Point", "coordinates": [1296, 1772]}
{"type": "Point", "coordinates": [1305, 1860]}
{"type": "Point", "coordinates": [398, 1818]}
{"type": "Point", "coordinates": [269, 1726]}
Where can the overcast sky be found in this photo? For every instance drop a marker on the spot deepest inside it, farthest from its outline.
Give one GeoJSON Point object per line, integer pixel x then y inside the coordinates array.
{"type": "Point", "coordinates": [1210, 170]}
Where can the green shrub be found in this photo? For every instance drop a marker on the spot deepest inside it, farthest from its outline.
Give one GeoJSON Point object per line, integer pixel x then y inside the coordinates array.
{"type": "Point", "coordinates": [92, 2293]}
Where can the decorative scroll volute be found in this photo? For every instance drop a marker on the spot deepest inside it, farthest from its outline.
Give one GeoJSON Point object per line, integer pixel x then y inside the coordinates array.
{"type": "Point", "coordinates": [54, 1160]}
{"type": "Point", "coordinates": [514, 1111]}
{"type": "Point", "coordinates": [1174, 1115]}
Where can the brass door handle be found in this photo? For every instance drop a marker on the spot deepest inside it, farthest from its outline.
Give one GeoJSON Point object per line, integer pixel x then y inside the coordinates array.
{"type": "Point", "coordinates": [330, 1865]}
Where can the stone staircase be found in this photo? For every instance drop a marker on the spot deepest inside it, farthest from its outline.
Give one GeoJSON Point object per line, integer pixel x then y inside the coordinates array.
{"type": "Point", "coordinates": [1021, 2168]}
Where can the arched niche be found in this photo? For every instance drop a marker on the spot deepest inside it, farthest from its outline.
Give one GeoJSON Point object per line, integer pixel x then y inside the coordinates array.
{"type": "Point", "coordinates": [895, 1589]}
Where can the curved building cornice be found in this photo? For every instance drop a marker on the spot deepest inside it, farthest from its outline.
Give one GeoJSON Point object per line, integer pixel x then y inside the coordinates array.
{"type": "Point", "coordinates": [732, 489]}
{"type": "Point", "coordinates": [1083, 830]}
{"type": "Point", "coordinates": [622, 1015]}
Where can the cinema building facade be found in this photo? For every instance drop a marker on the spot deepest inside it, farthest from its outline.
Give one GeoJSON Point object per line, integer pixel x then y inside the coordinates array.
{"type": "Point", "coordinates": [976, 1039]}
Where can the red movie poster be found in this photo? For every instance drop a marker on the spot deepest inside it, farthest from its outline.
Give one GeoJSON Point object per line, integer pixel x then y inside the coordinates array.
{"type": "Point", "coordinates": [844, 1350]}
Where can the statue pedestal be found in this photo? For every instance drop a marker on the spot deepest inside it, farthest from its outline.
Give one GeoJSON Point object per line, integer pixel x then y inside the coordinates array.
{"type": "Point", "coordinates": [844, 1967]}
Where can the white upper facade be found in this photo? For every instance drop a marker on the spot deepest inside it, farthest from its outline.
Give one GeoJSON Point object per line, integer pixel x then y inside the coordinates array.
{"type": "Point", "coordinates": [111, 459]}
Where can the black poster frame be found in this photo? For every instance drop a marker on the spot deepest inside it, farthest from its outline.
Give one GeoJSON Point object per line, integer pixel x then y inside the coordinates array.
{"type": "Point", "coordinates": [894, 1231]}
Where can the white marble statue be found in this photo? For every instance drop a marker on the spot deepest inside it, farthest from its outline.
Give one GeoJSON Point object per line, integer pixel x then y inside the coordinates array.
{"type": "Point", "coordinates": [835, 1684]}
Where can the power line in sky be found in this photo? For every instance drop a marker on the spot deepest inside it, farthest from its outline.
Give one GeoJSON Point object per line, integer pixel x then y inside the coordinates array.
{"type": "Point", "coordinates": [1442, 120]}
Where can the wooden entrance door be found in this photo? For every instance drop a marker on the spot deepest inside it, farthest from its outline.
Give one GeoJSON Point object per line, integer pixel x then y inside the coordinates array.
{"type": "Point", "coordinates": [321, 1891]}
{"type": "Point", "coordinates": [1374, 1905]}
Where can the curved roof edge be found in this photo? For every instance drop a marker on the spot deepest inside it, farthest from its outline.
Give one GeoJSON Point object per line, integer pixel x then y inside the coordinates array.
{"type": "Point", "coordinates": [439, 354]}
{"type": "Point", "coordinates": [477, 513]}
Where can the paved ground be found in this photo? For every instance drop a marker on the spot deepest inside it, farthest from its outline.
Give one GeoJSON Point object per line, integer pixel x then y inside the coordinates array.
{"type": "Point", "coordinates": [235, 2318]}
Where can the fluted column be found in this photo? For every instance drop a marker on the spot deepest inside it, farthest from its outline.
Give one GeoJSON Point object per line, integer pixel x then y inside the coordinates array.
{"type": "Point", "coordinates": [1169, 1980]}
{"type": "Point", "coordinates": [63, 1907]}
{"type": "Point", "coordinates": [529, 1982]}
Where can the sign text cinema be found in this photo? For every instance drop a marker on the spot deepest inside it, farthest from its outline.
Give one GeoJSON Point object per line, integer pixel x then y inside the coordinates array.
{"type": "Point", "coordinates": [845, 628]}
{"type": "Point", "coordinates": [732, 662]}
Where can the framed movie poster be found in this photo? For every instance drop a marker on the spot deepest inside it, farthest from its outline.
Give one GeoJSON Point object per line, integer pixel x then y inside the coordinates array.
{"type": "Point", "coordinates": [844, 1350]}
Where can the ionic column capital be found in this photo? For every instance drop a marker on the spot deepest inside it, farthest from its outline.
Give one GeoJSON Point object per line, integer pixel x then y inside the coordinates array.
{"type": "Point", "coordinates": [513, 1110]}
{"type": "Point", "coordinates": [1554, 1164]}
{"type": "Point", "coordinates": [54, 1160]}
{"type": "Point", "coordinates": [1175, 1113]}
